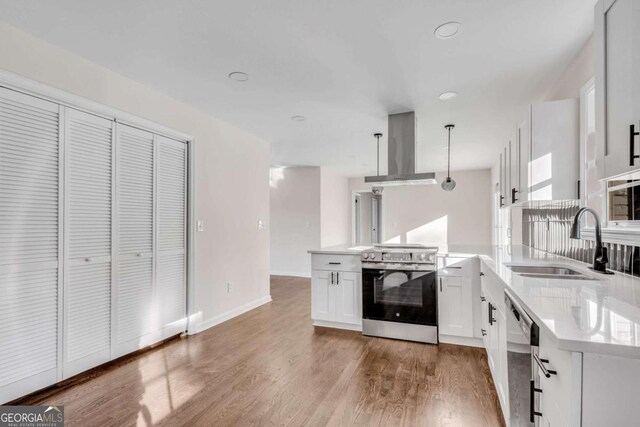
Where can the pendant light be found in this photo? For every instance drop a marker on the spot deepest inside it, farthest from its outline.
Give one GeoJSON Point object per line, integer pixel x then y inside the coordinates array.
{"type": "Point", "coordinates": [449, 184]}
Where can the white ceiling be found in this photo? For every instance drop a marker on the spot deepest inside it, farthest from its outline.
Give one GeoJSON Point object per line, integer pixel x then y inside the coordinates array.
{"type": "Point", "coordinates": [343, 64]}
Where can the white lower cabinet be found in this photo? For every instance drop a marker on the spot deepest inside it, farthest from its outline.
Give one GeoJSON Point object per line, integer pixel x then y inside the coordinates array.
{"type": "Point", "coordinates": [560, 400]}
{"type": "Point", "coordinates": [455, 303]}
{"type": "Point", "coordinates": [336, 294]}
{"type": "Point", "coordinates": [494, 330]}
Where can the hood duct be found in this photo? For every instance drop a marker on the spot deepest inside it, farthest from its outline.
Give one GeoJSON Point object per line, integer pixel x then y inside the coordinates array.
{"type": "Point", "coordinates": [401, 155]}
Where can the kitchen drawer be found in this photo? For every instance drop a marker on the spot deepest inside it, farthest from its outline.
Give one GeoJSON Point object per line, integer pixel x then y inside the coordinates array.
{"type": "Point", "coordinates": [454, 267]}
{"type": "Point", "coordinates": [492, 286]}
{"type": "Point", "coordinates": [336, 262]}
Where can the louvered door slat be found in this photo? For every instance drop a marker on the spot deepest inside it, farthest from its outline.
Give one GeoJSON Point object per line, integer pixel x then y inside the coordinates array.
{"type": "Point", "coordinates": [29, 243]}
{"type": "Point", "coordinates": [88, 229]}
{"type": "Point", "coordinates": [135, 291]}
{"type": "Point", "coordinates": [171, 204]}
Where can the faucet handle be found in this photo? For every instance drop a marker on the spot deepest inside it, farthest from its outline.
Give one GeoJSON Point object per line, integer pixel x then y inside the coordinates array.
{"type": "Point", "coordinates": [604, 258]}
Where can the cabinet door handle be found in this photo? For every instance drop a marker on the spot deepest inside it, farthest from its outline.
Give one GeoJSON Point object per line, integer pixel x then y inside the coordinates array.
{"type": "Point", "coordinates": [546, 372]}
{"type": "Point", "coordinates": [579, 191]}
{"type": "Point", "coordinates": [483, 299]}
{"type": "Point", "coordinates": [632, 149]}
{"type": "Point", "coordinates": [491, 319]}
{"type": "Point", "coordinates": [513, 195]}
{"type": "Point", "coordinates": [484, 332]}
{"type": "Point", "coordinates": [337, 278]}
{"type": "Point", "coordinates": [532, 401]}
{"type": "Point", "coordinates": [332, 277]}
{"type": "Point", "coordinates": [501, 200]}
{"type": "Point", "coordinates": [441, 284]}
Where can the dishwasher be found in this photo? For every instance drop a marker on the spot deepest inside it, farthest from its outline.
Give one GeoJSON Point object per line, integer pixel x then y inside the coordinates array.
{"type": "Point", "coordinates": [522, 370]}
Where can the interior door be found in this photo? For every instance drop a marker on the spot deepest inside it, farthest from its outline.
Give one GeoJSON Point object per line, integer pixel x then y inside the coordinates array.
{"type": "Point", "coordinates": [30, 249]}
{"type": "Point", "coordinates": [87, 266]}
{"type": "Point", "coordinates": [134, 293]}
{"type": "Point", "coordinates": [171, 201]}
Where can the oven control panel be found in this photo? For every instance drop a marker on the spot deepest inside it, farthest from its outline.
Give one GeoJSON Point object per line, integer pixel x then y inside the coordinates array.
{"type": "Point", "coordinates": [412, 257]}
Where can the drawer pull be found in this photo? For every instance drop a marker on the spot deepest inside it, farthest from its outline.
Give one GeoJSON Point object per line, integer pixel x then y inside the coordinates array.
{"type": "Point", "coordinates": [335, 263]}
{"type": "Point", "coordinates": [455, 268]}
{"type": "Point", "coordinates": [546, 372]}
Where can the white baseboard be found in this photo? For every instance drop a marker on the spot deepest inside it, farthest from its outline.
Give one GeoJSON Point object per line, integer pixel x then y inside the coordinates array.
{"type": "Point", "coordinates": [469, 342]}
{"type": "Point", "coordinates": [206, 324]}
{"type": "Point", "coordinates": [290, 273]}
{"type": "Point", "coordinates": [337, 325]}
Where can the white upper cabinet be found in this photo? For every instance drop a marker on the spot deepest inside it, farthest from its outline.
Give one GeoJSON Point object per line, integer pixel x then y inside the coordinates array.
{"type": "Point", "coordinates": [541, 161]}
{"type": "Point", "coordinates": [555, 150]}
{"type": "Point", "coordinates": [522, 156]}
{"type": "Point", "coordinates": [617, 36]}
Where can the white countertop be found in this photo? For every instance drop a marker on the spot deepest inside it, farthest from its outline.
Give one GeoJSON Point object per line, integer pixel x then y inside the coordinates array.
{"type": "Point", "coordinates": [601, 316]}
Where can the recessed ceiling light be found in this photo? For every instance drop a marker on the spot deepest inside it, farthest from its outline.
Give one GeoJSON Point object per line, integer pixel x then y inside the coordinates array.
{"type": "Point", "coordinates": [239, 76]}
{"type": "Point", "coordinates": [298, 118]}
{"type": "Point", "coordinates": [447, 96]}
{"type": "Point", "coordinates": [447, 30]}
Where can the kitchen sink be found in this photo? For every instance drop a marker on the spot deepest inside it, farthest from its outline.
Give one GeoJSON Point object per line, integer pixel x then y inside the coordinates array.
{"type": "Point", "coordinates": [548, 272]}
{"type": "Point", "coordinates": [543, 269]}
{"type": "Point", "coordinates": [557, 276]}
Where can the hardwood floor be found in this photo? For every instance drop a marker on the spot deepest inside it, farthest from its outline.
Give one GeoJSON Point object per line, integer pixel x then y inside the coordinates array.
{"type": "Point", "coordinates": [272, 367]}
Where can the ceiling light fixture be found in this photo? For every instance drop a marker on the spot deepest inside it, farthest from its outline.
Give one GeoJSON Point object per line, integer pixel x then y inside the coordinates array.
{"type": "Point", "coordinates": [298, 118]}
{"type": "Point", "coordinates": [449, 184]}
{"type": "Point", "coordinates": [239, 76]}
{"type": "Point", "coordinates": [448, 96]}
{"type": "Point", "coordinates": [447, 30]}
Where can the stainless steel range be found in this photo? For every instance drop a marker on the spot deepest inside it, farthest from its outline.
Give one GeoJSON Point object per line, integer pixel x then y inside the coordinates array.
{"type": "Point", "coordinates": [399, 295]}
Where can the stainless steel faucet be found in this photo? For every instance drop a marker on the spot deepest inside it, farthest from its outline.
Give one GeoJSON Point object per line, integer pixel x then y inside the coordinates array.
{"type": "Point", "coordinates": [600, 257]}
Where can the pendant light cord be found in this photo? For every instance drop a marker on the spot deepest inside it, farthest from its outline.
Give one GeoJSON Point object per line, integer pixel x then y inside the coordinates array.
{"type": "Point", "coordinates": [449, 154]}
{"type": "Point", "coordinates": [378, 136]}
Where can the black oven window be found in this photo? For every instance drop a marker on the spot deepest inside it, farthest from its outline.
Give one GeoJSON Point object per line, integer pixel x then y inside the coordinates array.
{"type": "Point", "coordinates": [401, 288]}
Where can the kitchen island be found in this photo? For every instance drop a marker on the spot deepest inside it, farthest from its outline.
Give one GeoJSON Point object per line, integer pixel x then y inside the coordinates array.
{"type": "Point", "coordinates": [589, 329]}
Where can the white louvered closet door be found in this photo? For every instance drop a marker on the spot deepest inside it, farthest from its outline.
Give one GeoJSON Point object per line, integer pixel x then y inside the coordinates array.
{"type": "Point", "coordinates": [88, 195]}
{"type": "Point", "coordinates": [135, 294]}
{"type": "Point", "coordinates": [171, 235]}
{"type": "Point", "coordinates": [30, 228]}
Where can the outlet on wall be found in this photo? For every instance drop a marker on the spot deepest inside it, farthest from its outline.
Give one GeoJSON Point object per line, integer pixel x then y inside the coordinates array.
{"type": "Point", "coordinates": [229, 287]}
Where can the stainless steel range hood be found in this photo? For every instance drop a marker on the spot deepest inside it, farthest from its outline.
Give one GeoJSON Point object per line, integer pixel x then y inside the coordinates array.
{"type": "Point", "coordinates": [402, 154]}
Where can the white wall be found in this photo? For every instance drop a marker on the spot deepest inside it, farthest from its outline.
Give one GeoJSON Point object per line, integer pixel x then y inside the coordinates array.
{"type": "Point", "coordinates": [578, 73]}
{"type": "Point", "coordinates": [295, 219]}
{"type": "Point", "coordinates": [232, 169]}
{"type": "Point", "coordinates": [335, 209]}
{"type": "Point", "coordinates": [429, 215]}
